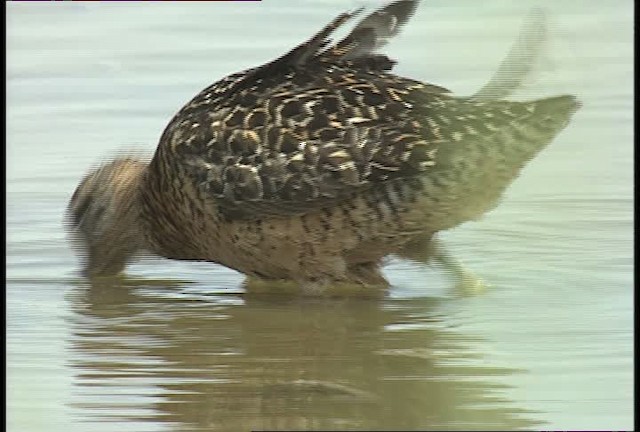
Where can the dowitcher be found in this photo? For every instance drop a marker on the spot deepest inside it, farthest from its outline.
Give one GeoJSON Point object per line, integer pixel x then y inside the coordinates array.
{"type": "Point", "coordinates": [313, 167]}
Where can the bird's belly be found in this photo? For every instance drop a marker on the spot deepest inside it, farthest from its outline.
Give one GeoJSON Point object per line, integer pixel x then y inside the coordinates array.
{"type": "Point", "coordinates": [322, 244]}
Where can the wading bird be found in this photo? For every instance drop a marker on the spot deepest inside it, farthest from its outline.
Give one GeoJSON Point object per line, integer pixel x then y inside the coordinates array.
{"type": "Point", "coordinates": [314, 167]}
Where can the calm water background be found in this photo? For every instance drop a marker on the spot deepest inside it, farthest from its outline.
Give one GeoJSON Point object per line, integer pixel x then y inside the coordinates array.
{"type": "Point", "coordinates": [179, 347]}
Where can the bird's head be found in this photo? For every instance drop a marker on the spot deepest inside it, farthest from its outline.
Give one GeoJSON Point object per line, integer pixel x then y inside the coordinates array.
{"type": "Point", "coordinates": [103, 217]}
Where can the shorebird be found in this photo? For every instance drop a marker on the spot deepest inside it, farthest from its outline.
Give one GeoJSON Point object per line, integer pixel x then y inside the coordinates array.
{"type": "Point", "coordinates": [314, 167]}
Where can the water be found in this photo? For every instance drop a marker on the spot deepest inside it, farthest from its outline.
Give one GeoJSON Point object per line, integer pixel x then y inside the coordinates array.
{"type": "Point", "coordinates": [178, 346]}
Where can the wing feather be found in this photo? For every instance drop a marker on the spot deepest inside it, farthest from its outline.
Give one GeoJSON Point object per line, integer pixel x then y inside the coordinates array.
{"type": "Point", "coordinates": [311, 128]}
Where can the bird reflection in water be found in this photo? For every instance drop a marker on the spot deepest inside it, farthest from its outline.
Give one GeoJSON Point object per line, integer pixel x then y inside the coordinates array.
{"type": "Point", "coordinates": [152, 353]}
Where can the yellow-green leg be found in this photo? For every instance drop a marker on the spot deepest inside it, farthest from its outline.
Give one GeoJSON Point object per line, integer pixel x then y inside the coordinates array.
{"type": "Point", "coordinates": [426, 249]}
{"type": "Point", "coordinates": [466, 282]}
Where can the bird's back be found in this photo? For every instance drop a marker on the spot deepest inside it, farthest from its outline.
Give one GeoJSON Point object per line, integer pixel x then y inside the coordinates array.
{"type": "Point", "coordinates": [329, 127]}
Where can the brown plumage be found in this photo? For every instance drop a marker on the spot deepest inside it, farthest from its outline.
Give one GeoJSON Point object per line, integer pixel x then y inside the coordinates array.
{"type": "Point", "coordinates": [313, 167]}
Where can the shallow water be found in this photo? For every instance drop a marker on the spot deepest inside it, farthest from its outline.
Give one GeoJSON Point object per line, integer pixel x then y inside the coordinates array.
{"type": "Point", "coordinates": [178, 346]}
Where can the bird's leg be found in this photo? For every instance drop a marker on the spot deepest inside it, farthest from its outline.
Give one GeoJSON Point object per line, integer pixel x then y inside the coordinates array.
{"type": "Point", "coordinates": [467, 282]}
{"type": "Point", "coordinates": [426, 249]}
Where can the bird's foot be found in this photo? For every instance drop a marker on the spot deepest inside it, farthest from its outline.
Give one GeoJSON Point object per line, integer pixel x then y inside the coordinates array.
{"type": "Point", "coordinates": [469, 284]}
{"type": "Point", "coordinates": [426, 249]}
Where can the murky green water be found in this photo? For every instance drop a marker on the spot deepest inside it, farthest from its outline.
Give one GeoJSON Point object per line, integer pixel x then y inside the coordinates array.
{"type": "Point", "coordinates": [178, 347]}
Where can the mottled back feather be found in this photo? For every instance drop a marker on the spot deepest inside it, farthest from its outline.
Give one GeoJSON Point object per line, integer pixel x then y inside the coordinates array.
{"type": "Point", "coordinates": [321, 123]}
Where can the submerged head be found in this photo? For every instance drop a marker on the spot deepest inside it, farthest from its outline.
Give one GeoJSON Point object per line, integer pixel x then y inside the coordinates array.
{"type": "Point", "coordinates": [103, 217]}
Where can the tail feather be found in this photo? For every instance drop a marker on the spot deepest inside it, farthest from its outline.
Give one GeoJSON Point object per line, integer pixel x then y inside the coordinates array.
{"type": "Point", "coordinates": [479, 156]}
{"type": "Point", "coordinates": [512, 132]}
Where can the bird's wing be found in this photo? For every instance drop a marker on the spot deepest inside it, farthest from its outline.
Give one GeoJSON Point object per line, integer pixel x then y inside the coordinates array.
{"type": "Point", "coordinates": [358, 47]}
{"type": "Point", "coordinates": [313, 127]}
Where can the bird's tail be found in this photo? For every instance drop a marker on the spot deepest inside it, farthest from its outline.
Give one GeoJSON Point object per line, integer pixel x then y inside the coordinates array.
{"type": "Point", "coordinates": [481, 148]}
{"type": "Point", "coordinates": [483, 141]}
